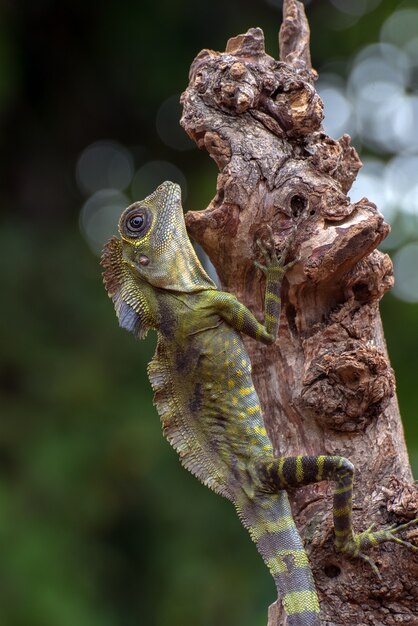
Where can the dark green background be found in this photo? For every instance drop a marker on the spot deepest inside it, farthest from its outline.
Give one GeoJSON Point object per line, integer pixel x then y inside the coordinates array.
{"type": "Point", "coordinates": [100, 526]}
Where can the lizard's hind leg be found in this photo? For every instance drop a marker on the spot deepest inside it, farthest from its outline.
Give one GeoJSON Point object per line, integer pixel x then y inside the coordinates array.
{"type": "Point", "coordinates": [295, 471]}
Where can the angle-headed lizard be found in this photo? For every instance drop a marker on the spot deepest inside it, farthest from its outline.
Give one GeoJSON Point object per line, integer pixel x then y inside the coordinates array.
{"type": "Point", "coordinates": [204, 394]}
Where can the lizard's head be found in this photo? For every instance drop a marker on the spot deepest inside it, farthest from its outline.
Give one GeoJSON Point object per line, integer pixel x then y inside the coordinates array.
{"type": "Point", "coordinates": [148, 227]}
{"type": "Point", "coordinates": [155, 245]}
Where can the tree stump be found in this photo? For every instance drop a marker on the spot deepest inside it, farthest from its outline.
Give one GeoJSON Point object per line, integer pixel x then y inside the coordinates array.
{"type": "Point", "coordinates": [326, 387]}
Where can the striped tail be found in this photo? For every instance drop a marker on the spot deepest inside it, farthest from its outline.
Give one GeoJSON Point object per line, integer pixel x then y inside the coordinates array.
{"type": "Point", "coordinates": [268, 518]}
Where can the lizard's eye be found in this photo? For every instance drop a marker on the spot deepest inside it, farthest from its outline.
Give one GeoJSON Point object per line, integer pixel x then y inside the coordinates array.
{"type": "Point", "coordinates": [136, 223]}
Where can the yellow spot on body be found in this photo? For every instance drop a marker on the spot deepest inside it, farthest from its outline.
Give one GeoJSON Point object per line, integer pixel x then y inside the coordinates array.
{"type": "Point", "coordinates": [285, 522]}
{"type": "Point", "coordinates": [226, 344]}
{"type": "Point", "coordinates": [235, 400]}
{"type": "Point", "coordinates": [266, 448]}
{"type": "Point", "coordinates": [231, 383]}
{"type": "Point", "coordinates": [253, 409]}
{"type": "Point", "coordinates": [320, 467]}
{"type": "Point", "coordinates": [265, 527]}
{"type": "Point", "coordinates": [260, 430]}
{"type": "Point", "coordinates": [235, 341]}
{"type": "Point", "coordinates": [276, 566]}
{"type": "Point", "coordinates": [244, 391]}
{"type": "Point", "coordinates": [241, 416]}
{"type": "Point", "coordinates": [300, 601]}
{"type": "Point", "coordinates": [300, 558]}
{"type": "Point", "coordinates": [299, 469]}
{"type": "Point", "coordinates": [243, 362]}
{"type": "Point", "coordinates": [238, 373]}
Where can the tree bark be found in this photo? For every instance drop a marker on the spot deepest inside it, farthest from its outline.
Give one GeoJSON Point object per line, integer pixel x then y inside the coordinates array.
{"type": "Point", "coordinates": [326, 387]}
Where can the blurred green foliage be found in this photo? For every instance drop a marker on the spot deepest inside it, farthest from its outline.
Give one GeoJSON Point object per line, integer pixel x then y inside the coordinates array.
{"type": "Point", "coordinates": [99, 523]}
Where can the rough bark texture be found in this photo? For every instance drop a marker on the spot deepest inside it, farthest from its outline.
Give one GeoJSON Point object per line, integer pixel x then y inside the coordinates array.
{"type": "Point", "coordinates": [326, 386]}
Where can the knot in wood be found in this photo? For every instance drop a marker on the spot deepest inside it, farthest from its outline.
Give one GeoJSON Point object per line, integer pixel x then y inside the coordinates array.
{"type": "Point", "coordinates": [302, 105]}
{"type": "Point", "coordinates": [346, 386]}
{"type": "Point", "coordinates": [237, 71]}
{"type": "Point", "coordinates": [337, 158]}
{"type": "Point", "coordinates": [223, 82]}
{"type": "Point", "coordinates": [235, 87]}
{"type": "Point", "coordinates": [402, 498]}
{"type": "Point", "coordinates": [371, 278]}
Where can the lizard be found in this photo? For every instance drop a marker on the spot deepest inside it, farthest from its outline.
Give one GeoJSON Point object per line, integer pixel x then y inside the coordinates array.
{"type": "Point", "coordinates": [204, 393]}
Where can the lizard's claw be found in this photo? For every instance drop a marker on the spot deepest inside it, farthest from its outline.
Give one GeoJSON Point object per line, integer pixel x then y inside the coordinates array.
{"type": "Point", "coordinates": [368, 539]}
{"type": "Point", "coordinates": [390, 534]}
{"type": "Point", "coordinates": [272, 259]}
{"type": "Point", "coordinates": [367, 559]}
{"type": "Point", "coordinates": [261, 267]}
{"type": "Point", "coordinates": [264, 251]}
{"type": "Point", "coordinates": [288, 244]}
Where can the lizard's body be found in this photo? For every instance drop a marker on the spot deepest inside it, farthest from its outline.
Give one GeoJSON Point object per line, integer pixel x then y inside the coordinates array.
{"type": "Point", "coordinates": [211, 374]}
{"type": "Point", "coordinates": [204, 394]}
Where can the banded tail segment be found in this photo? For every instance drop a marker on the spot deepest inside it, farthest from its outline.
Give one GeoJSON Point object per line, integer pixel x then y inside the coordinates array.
{"type": "Point", "coordinates": [268, 518]}
{"type": "Point", "coordinates": [302, 470]}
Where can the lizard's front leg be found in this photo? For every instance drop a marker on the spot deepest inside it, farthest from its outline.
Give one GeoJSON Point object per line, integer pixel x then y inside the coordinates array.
{"type": "Point", "coordinates": [238, 316]}
{"type": "Point", "coordinates": [274, 269]}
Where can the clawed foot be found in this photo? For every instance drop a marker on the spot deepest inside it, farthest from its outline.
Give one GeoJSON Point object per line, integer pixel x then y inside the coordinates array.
{"type": "Point", "coordinates": [272, 260]}
{"type": "Point", "coordinates": [368, 539]}
{"type": "Point", "coordinates": [390, 534]}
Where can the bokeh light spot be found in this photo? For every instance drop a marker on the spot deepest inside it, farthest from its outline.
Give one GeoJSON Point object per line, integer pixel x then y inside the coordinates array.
{"type": "Point", "coordinates": [406, 275]}
{"type": "Point", "coordinates": [400, 27]}
{"type": "Point", "coordinates": [370, 184]}
{"type": "Point", "coordinates": [379, 63]}
{"type": "Point", "coordinates": [99, 217]}
{"type": "Point", "coordinates": [356, 7]}
{"type": "Point", "coordinates": [103, 165]}
{"type": "Point", "coordinates": [379, 88]}
{"type": "Point", "coordinates": [152, 174]}
{"type": "Point", "coordinates": [401, 180]}
{"type": "Point", "coordinates": [337, 109]}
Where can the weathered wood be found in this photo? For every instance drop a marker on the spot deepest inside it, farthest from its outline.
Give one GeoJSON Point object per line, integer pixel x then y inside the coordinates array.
{"type": "Point", "coordinates": [327, 385]}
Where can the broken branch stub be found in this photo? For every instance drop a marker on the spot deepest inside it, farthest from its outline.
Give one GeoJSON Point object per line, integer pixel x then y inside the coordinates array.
{"type": "Point", "coordinates": [327, 385]}
{"type": "Point", "coordinates": [294, 38]}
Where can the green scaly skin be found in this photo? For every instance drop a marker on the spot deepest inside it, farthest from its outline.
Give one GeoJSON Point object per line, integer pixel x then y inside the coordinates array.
{"type": "Point", "coordinates": [204, 394]}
